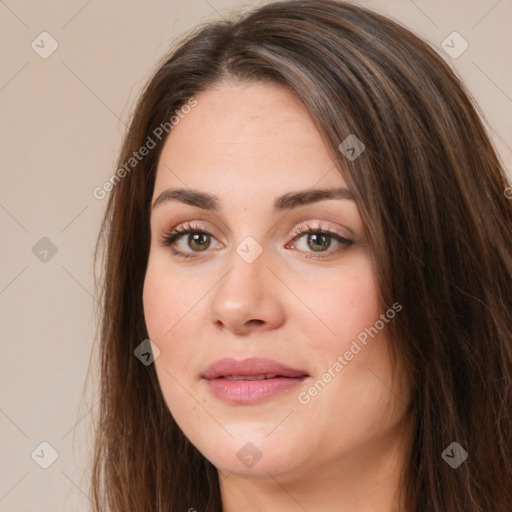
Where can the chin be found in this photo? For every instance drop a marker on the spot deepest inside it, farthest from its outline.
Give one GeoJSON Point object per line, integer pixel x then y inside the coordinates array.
{"type": "Point", "coordinates": [251, 451]}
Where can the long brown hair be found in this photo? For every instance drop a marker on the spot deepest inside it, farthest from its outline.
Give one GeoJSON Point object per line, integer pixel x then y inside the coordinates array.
{"type": "Point", "coordinates": [430, 190]}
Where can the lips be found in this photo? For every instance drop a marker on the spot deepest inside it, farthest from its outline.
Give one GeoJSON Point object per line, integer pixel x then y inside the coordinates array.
{"type": "Point", "coordinates": [251, 380]}
{"type": "Point", "coordinates": [251, 377]}
{"type": "Point", "coordinates": [257, 367]}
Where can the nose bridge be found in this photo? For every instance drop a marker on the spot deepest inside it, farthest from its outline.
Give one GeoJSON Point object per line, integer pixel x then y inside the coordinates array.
{"type": "Point", "coordinates": [246, 276]}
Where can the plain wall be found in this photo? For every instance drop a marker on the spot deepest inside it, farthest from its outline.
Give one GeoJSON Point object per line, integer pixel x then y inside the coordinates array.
{"type": "Point", "coordinates": [62, 120]}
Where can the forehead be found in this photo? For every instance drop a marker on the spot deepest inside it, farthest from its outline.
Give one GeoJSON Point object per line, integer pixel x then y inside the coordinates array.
{"type": "Point", "coordinates": [246, 139]}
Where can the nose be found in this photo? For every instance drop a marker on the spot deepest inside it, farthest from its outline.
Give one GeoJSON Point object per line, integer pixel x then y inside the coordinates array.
{"type": "Point", "coordinates": [248, 297]}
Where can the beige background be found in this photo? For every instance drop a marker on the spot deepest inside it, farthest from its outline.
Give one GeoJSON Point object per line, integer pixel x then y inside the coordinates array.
{"type": "Point", "coordinates": [62, 119]}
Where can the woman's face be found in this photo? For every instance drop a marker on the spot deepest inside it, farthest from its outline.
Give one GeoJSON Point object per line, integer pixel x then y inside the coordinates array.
{"type": "Point", "coordinates": [254, 285]}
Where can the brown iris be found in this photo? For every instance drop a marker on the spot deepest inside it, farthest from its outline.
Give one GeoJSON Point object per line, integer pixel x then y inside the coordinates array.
{"type": "Point", "coordinates": [201, 240]}
{"type": "Point", "coordinates": [321, 241]}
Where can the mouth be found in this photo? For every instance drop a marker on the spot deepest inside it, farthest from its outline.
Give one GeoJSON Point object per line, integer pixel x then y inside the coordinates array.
{"type": "Point", "coordinates": [251, 377]}
{"type": "Point", "coordinates": [251, 380]}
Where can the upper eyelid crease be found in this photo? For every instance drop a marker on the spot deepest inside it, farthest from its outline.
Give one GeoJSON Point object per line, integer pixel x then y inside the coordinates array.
{"type": "Point", "coordinates": [285, 202]}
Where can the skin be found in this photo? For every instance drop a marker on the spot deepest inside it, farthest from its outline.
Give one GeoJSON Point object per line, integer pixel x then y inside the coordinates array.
{"type": "Point", "coordinates": [248, 144]}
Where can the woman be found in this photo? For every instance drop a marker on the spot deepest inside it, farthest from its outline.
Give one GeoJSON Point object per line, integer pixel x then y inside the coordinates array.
{"type": "Point", "coordinates": [311, 226]}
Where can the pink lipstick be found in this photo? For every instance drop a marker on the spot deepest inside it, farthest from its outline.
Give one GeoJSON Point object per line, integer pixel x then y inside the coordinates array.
{"type": "Point", "coordinates": [250, 381]}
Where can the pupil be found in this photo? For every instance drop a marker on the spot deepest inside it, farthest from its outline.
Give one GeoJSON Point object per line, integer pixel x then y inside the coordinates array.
{"type": "Point", "coordinates": [323, 238]}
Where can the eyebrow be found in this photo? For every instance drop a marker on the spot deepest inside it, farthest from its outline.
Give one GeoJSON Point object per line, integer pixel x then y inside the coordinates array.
{"type": "Point", "coordinates": [285, 202]}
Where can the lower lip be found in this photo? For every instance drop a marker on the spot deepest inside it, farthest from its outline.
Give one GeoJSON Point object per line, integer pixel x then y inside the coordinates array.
{"type": "Point", "coordinates": [247, 392]}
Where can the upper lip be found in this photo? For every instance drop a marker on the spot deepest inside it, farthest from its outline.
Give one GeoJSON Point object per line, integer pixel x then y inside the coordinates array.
{"type": "Point", "coordinates": [228, 366]}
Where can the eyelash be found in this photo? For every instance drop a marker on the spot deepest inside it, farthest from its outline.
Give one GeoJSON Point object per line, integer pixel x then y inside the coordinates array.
{"type": "Point", "coordinates": [169, 237]}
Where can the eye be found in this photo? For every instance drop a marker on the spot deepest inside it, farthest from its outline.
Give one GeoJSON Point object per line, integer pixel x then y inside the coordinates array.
{"type": "Point", "coordinates": [199, 240]}
{"type": "Point", "coordinates": [319, 240]}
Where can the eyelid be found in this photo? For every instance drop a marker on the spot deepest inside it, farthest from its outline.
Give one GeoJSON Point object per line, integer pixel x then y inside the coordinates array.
{"type": "Point", "coordinates": [182, 229]}
{"type": "Point", "coordinates": [168, 238]}
{"type": "Point", "coordinates": [318, 227]}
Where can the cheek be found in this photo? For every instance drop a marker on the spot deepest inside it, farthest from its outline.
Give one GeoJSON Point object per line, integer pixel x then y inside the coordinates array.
{"type": "Point", "coordinates": [347, 336]}
{"type": "Point", "coordinates": [344, 304]}
{"type": "Point", "coordinates": [158, 304]}
{"type": "Point", "coordinates": [175, 315]}
{"type": "Point", "coordinates": [168, 312]}
{"type": "Point", "coordinates": [168, 300]}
